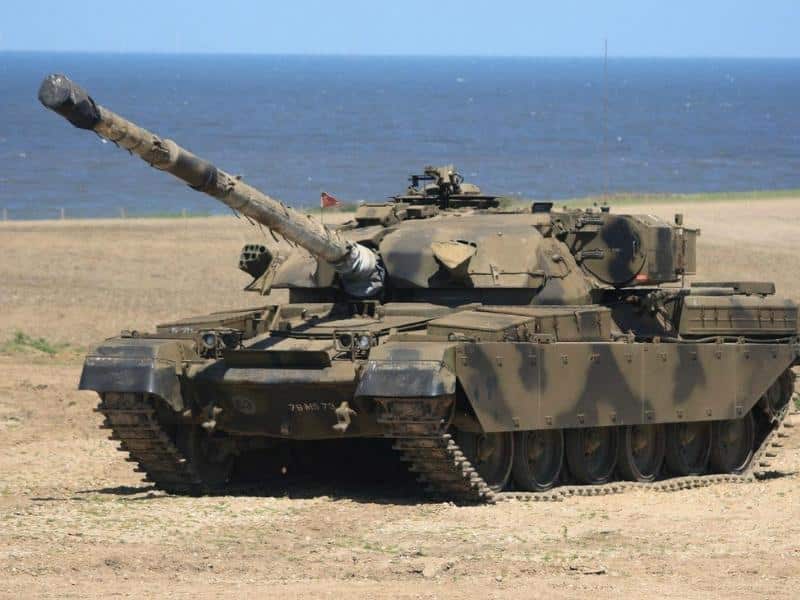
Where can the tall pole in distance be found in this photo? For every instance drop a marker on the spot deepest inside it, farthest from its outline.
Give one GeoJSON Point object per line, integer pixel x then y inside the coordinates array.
{"type": "Point", "coordinates": [605, 121]}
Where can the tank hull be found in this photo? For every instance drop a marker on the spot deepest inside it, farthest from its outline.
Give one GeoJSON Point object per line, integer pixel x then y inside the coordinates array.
{"type": "Point", "coordinates": [507, 386]}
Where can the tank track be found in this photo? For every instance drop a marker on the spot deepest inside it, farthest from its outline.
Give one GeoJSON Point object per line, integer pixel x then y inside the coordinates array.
{"type": "Point", "coordinates": [760, 468]}
{"type": "Point", "coordinates": [447, 473]}
{"type": "Point", "coordinates": [133, 422]}
{"type": "Point", "coordinates": [417, 426]}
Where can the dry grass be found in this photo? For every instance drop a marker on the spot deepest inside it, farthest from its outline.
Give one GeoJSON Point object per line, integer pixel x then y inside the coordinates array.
{"type": "Point", "coordinates": [76, 521]}
{"type": "Point", "coordinates": [82, 281]}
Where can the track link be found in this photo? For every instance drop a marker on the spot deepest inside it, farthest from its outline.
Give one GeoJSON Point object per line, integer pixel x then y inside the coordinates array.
{"type": "Point", "coordinates": [133, 422]}
{"type": "Point", "coordinates": [761, 465]}
{"type": "Point", "coordinates": [417, 425]}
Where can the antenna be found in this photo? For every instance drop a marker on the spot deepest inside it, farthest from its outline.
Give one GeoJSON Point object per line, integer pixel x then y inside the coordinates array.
{"type": "Point", "coordinates": [605, 120]}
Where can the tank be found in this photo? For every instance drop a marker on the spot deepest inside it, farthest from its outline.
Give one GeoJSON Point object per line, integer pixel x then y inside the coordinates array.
{"type": "Point", "coordinates": [499, 351]}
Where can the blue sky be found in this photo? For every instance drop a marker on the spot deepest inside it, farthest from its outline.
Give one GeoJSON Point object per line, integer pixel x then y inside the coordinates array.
{"type": "Point", "coordinates": [434, 27]}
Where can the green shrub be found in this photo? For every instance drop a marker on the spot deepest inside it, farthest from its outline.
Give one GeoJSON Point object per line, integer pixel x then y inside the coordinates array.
{"type": "Point", "coordinates": [22, 342]}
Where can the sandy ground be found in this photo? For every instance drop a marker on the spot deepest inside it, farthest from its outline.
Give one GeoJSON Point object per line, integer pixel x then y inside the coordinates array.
{"type": "Point", "coordinates": [76, 521]}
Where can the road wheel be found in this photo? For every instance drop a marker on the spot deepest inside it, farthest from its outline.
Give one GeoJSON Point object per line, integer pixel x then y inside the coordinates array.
{"type": "Point", "coordinates": [538, 458]}
{"type": "Point", "coordinates": [641, 452]}
{"type": "Point", "coordinates": [688, 448]}
{"type": "Point", "coordinates": [491, 454]}
{"type": "Point", "coordinates": [732, 444]}
{"type": "Point", "coordinates": [592, 453]}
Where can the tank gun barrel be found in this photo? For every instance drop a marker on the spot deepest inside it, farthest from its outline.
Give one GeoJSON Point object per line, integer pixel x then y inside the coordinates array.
{"type": "Point", "coordinates": [358, 266]}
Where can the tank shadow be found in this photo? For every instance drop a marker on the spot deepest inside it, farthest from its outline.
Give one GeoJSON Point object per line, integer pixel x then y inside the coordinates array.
{"type": "Point", "coordinates": [770, 475]}
{"type": "Point", "coordinates": [291, 488]}
{"type": "Point", "coordinates": [122, 490]}
{"type": "Point", "coordinates": [361, 487]}
{"type": "Point", "coordinates": [366, 471]}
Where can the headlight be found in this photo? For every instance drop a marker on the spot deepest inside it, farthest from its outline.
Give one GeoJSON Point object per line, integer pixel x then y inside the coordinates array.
{"type": "Point", "coordinates": [357, 343]}
{"type": "Point", "coordinates": [231, 339]}
{"type": "Point", "coordinates": [363, 342]}
{"type": "Point", "coordinates": [209, 340]}
{"type": "Point", "coordinates": [345, 340]}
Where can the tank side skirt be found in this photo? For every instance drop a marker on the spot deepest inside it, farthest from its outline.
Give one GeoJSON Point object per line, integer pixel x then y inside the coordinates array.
{"type": "Point", "coordinates": [528, 386]}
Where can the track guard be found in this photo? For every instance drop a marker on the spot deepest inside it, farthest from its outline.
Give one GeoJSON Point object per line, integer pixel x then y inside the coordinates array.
{"type": "Point", "coordinates": [408, 370]}
{"type": "Point", "coordinates": [136, 365]}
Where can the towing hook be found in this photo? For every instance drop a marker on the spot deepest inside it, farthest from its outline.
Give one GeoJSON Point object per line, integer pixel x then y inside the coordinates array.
{"type": "Point", "coordinates": [210, 424]}
{"type": "Point", "coordinates": [343, 414]}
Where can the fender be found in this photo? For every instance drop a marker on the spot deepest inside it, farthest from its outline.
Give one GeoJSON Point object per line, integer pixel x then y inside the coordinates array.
{"type": "Point", "coordinates": [141, 365]}
{"type": "Point", "coordinates": [408, 370]}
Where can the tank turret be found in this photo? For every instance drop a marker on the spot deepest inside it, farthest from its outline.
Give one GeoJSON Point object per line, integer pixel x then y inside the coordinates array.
{"type": "Point", "coordinates": [359, 268]}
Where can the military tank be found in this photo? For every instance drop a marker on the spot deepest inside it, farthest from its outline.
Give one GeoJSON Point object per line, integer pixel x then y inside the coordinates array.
{"type": "Point", "coordinates": [496, 349]}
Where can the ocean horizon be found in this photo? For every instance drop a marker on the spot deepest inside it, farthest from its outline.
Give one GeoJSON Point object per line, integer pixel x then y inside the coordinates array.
{"type": "Point", "coordinates": [357, 126]}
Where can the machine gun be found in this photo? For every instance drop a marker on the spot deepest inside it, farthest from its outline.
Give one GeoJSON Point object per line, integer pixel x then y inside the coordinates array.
{"type": "Point", "coordinates": [447, 189]}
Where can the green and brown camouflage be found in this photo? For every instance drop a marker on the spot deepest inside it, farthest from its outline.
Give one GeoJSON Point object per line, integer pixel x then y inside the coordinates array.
{"type": "Point", "coordinates": [497, 348]}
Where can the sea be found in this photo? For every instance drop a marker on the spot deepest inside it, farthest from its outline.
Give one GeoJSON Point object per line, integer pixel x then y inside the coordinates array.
{"type": "Point", "coordinates": [357, 127]}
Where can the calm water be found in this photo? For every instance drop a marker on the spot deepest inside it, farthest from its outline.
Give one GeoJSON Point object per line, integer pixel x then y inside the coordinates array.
{"type": "Point", "coordinates": [356, 127]}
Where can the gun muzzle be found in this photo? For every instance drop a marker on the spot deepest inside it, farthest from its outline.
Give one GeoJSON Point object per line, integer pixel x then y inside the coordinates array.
{"type": "Point", "coordinates": [70, 100]}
